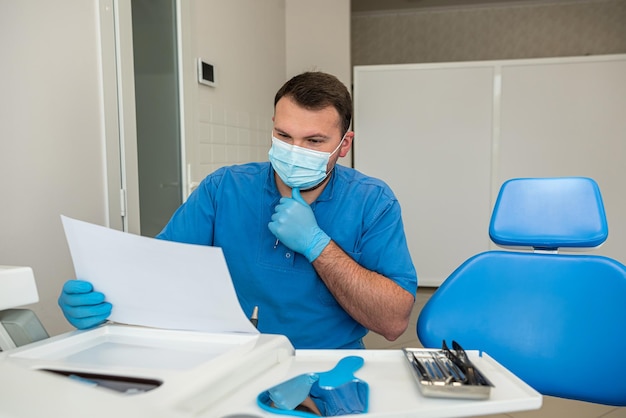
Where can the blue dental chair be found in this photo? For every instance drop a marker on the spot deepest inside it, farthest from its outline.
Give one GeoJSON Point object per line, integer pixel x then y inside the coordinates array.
{"type": "Point", "coordinates": [557, 321]}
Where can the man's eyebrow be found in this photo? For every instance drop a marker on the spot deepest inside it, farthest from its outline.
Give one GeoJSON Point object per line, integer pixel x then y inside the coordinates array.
{"type": "Point", "coordinates": [281, 132]}
{"type": "Point", "coordinates": [316, 135]}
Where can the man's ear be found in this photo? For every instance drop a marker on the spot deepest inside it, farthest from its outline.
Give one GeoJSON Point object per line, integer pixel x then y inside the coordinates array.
{"type": "Point", "coordinates": [346, 144]}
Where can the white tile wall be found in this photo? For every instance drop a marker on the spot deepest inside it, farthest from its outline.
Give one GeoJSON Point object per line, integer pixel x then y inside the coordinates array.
{"type": "Point", "coordinates": [228, 137]}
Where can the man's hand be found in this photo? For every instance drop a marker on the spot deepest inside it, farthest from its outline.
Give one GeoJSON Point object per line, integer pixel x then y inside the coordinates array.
{"type": "Point", "coordinates": [82, 306]}
{"type": "Point", "coordinates": [294, 224]}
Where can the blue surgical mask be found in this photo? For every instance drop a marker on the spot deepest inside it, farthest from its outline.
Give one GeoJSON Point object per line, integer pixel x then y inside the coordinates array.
{"type": "Point", "coordinates": [299, 167]}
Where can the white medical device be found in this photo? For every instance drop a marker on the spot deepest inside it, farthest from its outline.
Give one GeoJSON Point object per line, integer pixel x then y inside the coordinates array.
{"type": "Point", "coordinates": [132, 371]}
{"type": "Point", "coordinates": [119, 370]}
{"type": "Point", "coordinates": [18, 326]}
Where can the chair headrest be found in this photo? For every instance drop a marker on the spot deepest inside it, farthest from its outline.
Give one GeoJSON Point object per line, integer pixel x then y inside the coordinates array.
{"type": "Point", "coordinates": [549, 213]}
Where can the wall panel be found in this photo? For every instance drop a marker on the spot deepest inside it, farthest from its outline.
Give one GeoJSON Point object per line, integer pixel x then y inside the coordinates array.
{"type": "Point", "coordinates": [446, 136]}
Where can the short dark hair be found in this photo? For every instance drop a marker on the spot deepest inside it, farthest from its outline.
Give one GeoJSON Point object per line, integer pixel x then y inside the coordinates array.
{"type": "Point", "coordinates": [316, 90]}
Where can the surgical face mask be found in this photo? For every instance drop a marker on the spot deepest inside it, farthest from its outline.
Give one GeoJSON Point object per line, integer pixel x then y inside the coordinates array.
{"type": "Point", "coordinates": [299, 167]}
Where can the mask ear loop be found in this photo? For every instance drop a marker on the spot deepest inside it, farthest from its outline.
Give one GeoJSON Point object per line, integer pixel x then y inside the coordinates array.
{"type": "Point", "coordinates": [340, 142]}
{"type": "Point", "coordinates": [331, 170]}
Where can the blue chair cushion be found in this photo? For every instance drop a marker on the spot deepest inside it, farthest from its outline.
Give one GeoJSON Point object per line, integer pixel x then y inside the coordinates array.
{"type": "Point", "coordinates": [549, 213]}
{"type": "Point", "coordinates": [543, 316]}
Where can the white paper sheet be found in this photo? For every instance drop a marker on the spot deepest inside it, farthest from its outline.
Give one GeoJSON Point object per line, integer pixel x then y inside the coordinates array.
{"type": "Point", "coordinates": [157, 283]}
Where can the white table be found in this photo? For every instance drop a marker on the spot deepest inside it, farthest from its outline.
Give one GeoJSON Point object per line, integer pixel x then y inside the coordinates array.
{"type": "Point", "coordinates": [217, 375]}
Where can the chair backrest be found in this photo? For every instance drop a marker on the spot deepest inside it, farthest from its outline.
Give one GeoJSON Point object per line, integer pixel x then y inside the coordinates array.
{"type": "Point", "coordinates": [557, 321]}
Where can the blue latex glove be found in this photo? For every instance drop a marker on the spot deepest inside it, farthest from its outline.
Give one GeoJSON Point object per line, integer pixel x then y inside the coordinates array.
{"type": "Point", "coordinates": [339, 392]}
{"type": "Point", "coordinates": [82, 306]}
{"type": "Point", "coordinates": [294, 224]}
{"type": "Point", "coordinates": [291, 393]}
{"type": "Point", "coordinates": [349, 398]}
{"type": "Point", "coordinates": [334, 392]}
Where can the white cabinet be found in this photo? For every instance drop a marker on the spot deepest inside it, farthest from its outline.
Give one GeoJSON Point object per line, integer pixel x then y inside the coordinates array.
{"type": "Point", "coordinates": [446, 136]}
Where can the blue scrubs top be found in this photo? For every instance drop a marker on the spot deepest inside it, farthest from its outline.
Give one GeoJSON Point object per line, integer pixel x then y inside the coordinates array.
{"type": "Point", "coordinates": [231, 209]}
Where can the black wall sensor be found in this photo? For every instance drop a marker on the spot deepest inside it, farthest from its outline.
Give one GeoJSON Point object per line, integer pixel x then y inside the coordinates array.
{"type": "Point", "coordinates": [206, 73]}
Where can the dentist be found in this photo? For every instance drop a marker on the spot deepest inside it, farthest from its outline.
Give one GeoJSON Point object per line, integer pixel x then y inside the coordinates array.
{"type": "Point", "coordinates": [318, 247]}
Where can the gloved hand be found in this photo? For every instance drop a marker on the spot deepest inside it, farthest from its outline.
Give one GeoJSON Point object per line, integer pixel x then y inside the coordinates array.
{"type": "Point", "coordinates": [82, 306]}
{"type": "Point", "coordinates": [294, 224]}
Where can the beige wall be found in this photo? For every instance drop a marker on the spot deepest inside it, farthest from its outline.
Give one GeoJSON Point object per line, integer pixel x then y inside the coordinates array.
{"type": "Point", "coordinates": [51, 137]}
{"type": "Point", "coordinates": [56, 118]}
{"type": "Point", "coordinates": [534, 30]}
{"type": "Point", "coordinates": [245, 41]}
{"type": "Point", "coordinates": [255, 47]}
{"type": "Point", "coordinates": [318, 39]}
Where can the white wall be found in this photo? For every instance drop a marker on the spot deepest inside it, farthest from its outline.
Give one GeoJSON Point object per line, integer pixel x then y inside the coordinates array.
{"type": "Point", "coordinates": [318, 39]}
{"type": "Point", "coordinates": [473, 125]}
{"type": "Point", "coordinates": [255, 47]}
{"type": "Point", "coordinates": [52, 118]}
{"type": "Point", "coordinates": [51, 138]}
{"type": "Point", "coordinates": [245, 41]}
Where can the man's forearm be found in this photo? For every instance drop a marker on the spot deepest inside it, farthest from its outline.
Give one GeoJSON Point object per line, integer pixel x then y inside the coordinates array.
{"type": "Point", "coordinates": [373, 300]}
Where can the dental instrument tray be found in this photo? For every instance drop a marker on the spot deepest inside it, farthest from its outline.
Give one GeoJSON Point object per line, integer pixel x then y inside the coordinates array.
{"type": "Point", "coordinates": [447, 373]}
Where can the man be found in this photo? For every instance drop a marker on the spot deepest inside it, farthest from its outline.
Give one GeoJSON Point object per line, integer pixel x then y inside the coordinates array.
{"type": "Point", "coordinates": [319, 248]}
